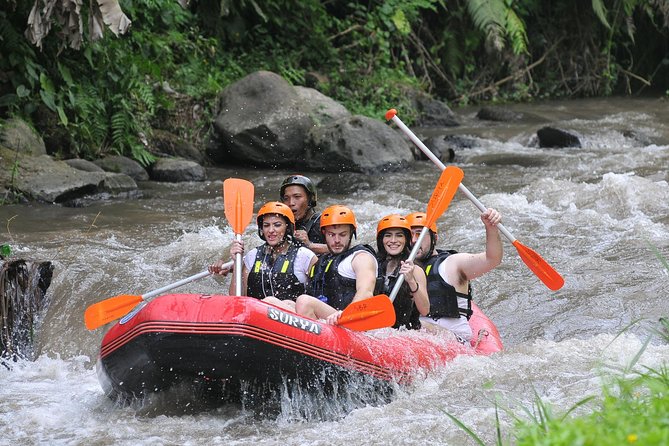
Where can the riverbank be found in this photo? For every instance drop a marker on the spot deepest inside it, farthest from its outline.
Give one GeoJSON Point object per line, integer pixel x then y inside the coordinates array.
{"type": "Point", "coordinates": [164, 73]}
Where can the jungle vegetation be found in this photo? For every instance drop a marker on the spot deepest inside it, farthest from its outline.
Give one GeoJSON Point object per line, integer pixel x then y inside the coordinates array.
{"type": "Point", "coordinates": [97, 77]}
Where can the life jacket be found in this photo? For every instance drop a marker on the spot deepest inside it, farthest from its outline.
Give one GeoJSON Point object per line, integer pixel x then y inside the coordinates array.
{"type": "Point", "coordinates": [278, 278]}
{"type": "Point", "coordinates": [443, 297]}
{"type": "Point", "coordinates": [312, 226]}
{"type": "Point", "coordinates": [328, 285]}
{"type": "Point", "coordinates": [406, 313]}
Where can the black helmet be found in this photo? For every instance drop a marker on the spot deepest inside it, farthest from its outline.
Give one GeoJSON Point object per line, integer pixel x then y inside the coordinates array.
{"type": "Point", "coordinates": [300, 180]}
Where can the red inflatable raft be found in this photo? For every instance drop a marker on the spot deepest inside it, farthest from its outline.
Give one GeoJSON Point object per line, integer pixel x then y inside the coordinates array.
{"type": "Point", "coordinates": [228, 345]}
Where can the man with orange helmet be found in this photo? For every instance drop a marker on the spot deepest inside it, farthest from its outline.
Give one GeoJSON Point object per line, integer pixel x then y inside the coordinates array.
{"type": "Point", "coordinates": [278, 269]}
{"type": "Point", "coordinates": [299, 194]}
{"type": "Point", "coordinates": [345, 274]}
{"type": "Point", "coordinates": [449, 273]}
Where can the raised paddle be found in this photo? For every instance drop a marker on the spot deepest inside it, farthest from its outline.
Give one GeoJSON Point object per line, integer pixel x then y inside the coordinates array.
{"type": "Point", "coordinates": [238, 202]}
{"type": "Point", "coordinates": [378, 311]}
{"type": "Point", "coordinates": [545, 272]}
{"type": "Point", "coordinates": [444, 191]}
{"type": "Point", "coordinates": [116, 307]}
{"type": "Point", "coordinates": [368, 314]}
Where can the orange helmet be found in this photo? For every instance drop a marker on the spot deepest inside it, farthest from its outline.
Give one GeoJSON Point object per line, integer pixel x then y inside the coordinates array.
{"type": "Point", "coordinates": [392, 221]}
{"type": "Point", "coordinates": [275, 207]}
{"type": "Point", "coordinates": [419, 219]}
{"type": "Point", "coordinates": [338, 215]}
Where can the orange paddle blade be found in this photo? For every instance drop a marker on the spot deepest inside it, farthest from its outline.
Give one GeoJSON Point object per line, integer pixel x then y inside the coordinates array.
{"type": "Point", "coordinates": [443, 193]}
{"type": "Point", "coordinates": [546, 273]}
{"type": "Point", "coordinates": [368, 314]}
{"type": "Point", "coordinates": [102, 313]}
{"type": "Point", "coordinates": [238, 201]}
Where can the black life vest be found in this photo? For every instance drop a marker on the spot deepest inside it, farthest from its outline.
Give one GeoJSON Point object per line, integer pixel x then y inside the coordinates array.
{"type": "Point", "coordinates": [406, 313]}
{"type": "Point", "coordinates": [312, 226]}
{"type": "Point", "coordinates": [327, 284]}
{"type": "Point", "coordinates": [278, 278]}
{"type": "Point", "coordinates": [443, 297]}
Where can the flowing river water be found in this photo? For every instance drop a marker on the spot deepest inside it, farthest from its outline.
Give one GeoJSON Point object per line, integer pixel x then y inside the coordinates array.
{"type": "Point", "coordinates": [591, 212]}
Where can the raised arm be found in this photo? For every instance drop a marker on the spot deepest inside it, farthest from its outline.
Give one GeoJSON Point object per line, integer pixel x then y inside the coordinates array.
{"type": "Point", "coordinates": [472, 266]}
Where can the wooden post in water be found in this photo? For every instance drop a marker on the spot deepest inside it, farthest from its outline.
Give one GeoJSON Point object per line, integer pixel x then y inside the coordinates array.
{"type": "Point", "coordinates": [23, 286]}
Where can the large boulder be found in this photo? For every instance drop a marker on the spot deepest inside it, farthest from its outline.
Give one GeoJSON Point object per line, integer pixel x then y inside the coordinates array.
{"type": "Point", "coordinates": [358, 144]}
{"type": "Point", "coordinates": [176, 170]}
{"type": "Point", "coordinates": [551, 137]}
{"type": "Point", "coordinates": [321, 109]}
{"type": "Point", "coordinates": [432, 112]}
{"type": "Point", "coordinates": [85, 165]}
{"type": "Point", "coordinates": [17, 135]}
{"type": "Point", "coordinates": [261, 122]}
{"type": "Point", "coordinates": [123, 164]}
{"type": "Point", "coordinates": [266, 122]}
{"type": "Point", "coordinates": [43, 179]}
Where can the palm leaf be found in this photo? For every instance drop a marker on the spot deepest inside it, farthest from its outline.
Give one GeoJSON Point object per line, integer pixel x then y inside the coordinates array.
{"type": "Point", "coordinates": [113, 16]}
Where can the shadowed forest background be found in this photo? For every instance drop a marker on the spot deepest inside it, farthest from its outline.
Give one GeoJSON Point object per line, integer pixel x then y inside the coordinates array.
{"type": "Point", "coordinates": [99, 77]}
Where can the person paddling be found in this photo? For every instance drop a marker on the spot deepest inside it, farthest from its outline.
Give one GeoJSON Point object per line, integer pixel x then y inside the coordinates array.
{"type": "Point", "coordinates": [344, 275]}
{"type": "Point", "coordinates": [449, 273]}
{"type": "Point", "coordinates": [277, 270]}
{"type": "Point", "coordinates": [299, 194]}
{"type": "Point", "coordinates": [393, 239]}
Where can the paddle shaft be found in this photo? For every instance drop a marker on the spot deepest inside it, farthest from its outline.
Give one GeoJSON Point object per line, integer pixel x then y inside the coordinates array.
{"type": "Point", "coordinates": [181, 282]}
{"type": "Point", "coordinates": [441, 165]}
{"type": "Point", "coordinates": [545, 272]}
{"type": "Point", "coordinates": [238, 269]}
{"type": "Point", "coordinates": [238, 256]}
{"type": "Point", "coordinates": [412, 256]}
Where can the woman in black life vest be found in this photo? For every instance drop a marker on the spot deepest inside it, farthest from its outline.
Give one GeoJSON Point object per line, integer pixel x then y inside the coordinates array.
{"type": "Point", "coordinates": [277, 270]}
{"type": "Point", "coordinates": [393, 239]}
{"type": "Point", "coordinates": [449, 274]}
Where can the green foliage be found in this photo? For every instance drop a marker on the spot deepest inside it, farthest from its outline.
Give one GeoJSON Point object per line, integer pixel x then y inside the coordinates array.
{"type": "Point", "coordinates": [20, 66]}
{"type": "Point", "coordinates": [498, 20]}
{"type": "Point", "coordinates": [599, 9]}
{"type": "Point", "coordinates": [107, 97]}
{"type": "Point", "coordinates": [633, 411]}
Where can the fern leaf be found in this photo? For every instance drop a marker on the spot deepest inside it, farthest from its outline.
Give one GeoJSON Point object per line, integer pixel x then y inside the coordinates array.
{"type": "Point", "coordinates": [487, 16]}
{"type": "Point", "coordinates": [600, 11]}
{"type": "Point", "coordinates": [515, 28]}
